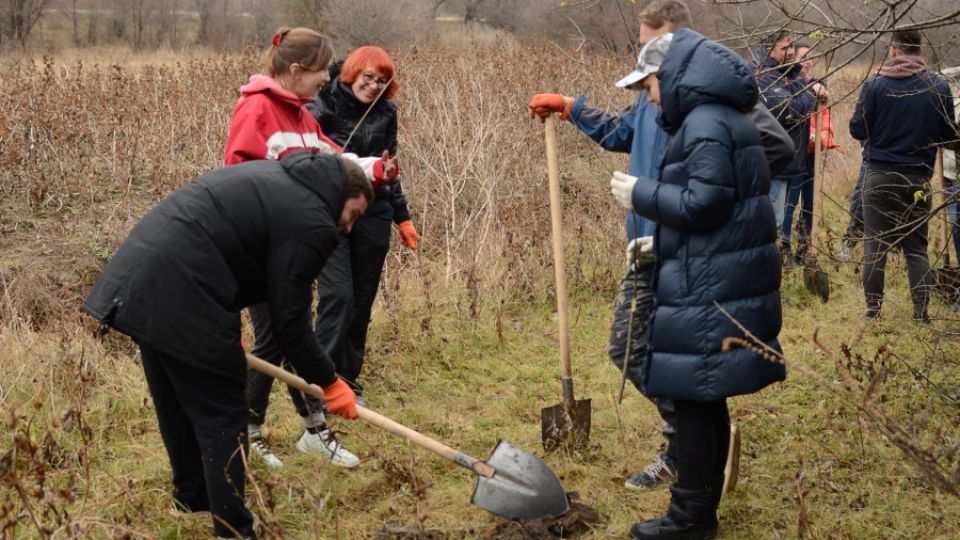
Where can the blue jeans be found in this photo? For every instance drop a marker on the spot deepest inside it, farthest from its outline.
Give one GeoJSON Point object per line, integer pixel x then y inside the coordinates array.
{"type": "Point", "coordinates": [778, 195]}
{"type": "Point", "coordinates": [778, 198]}
{"type": "Point", "coordinates": [800, 190]}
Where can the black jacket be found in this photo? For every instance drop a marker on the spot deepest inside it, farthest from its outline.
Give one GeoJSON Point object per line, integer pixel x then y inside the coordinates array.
{"type": "Point", "coordinates": [902, 115]}
{"type": "Point", "coordinates": [255, 232]}
{"type": "Point", "coordinates": [716, 234]}
{"type": "Point", "coordinates": [338, 111]}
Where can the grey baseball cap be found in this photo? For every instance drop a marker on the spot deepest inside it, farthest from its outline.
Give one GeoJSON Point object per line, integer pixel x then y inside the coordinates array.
{"type": "Point", "coordinates": [648, 62]}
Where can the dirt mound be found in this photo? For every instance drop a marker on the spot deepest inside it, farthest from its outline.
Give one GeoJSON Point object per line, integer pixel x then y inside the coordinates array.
{"type": "Point", "coordinates": [570, 525]}
{"type": "Point", "coordinates": [575, 522]}
{"type": "Point", "coordinates": [409, 533]}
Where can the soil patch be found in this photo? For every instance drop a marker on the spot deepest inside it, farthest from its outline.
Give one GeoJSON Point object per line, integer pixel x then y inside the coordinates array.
{"type": "Point", "coordinates": [577, 521]}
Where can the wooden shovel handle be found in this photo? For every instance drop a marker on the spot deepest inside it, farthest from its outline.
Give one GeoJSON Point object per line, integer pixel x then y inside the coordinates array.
{"type": "Point", "coordinates": [941, 182]}
{"type": "Point", "coordinates": [376, 419]}
{"type": "Point", "coordinates": [550, 131]}
{"type": "Point", "coordinates": [817, 175]}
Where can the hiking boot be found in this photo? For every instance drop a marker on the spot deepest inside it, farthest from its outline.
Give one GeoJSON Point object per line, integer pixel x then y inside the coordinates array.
{"type": "Point", "coordinates": [787, 261]}
{"type": "Point", "coordinates": [259, 448]}
{"type": "Point", "coordinates": [325, 443]}
{"type": "Point", "coordinates": [692, 516]}
{"type": "Point", "coordinates": [731, 471]}
{"type": "Point", "coordinates": [656, 474]}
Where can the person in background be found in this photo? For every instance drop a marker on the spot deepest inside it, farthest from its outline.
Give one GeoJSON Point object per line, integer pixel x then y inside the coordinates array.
{"type": "Point", "coordinates": [635, 130]}
{"type": "Point", "coordinates": [269, 121]}
{"type": "Point", "coordinates": [801, 192]}
{"type": "Point", "coordinates": [950, 173]}
{"type": "Point", "coordinates": [791, 99]}
{"type": "Point", "coordinates": [715, 247]}
{"type": "Point", "coordinates": [356, 110]}
{"type": "Point", "coordinates": [254, 233]}
{"type": "Point", "coordinates": [902, 115]}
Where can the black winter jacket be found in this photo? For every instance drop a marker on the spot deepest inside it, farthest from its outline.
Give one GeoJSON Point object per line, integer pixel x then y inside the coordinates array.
{"type": "Point", "coordinates": [716, 234]}
{"type": "Point", "coordinates": [338, 111]}
{"type": "Point", "coordinates": [902, 115]}
{"type": "Point", "coordinates": [255, 232]}
{"type": "Point", "coordinates": [782, 91]}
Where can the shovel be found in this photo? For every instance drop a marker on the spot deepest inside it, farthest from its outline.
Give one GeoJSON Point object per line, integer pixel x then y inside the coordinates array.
{"type": "Point", "coordinates": [814, 278]}
{"type": "Point", "coordinates": [569, 421]}
{"type": "Point", "coordinates": [511, 483]}
{"type": "Point", "coordinates": [946, 278]}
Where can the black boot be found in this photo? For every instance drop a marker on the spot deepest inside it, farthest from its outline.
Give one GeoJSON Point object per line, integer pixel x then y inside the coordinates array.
{"type": "Point", "coordinates": [786, 255]}
{"type": "Point", "coordinates": [692, 516]}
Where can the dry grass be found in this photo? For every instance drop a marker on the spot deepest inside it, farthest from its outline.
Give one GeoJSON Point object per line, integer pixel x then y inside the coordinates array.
{"type": "Point", "coordinates": [463, 343]}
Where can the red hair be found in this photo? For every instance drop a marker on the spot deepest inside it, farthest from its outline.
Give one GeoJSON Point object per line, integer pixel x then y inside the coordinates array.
{"type": "Point", "coordinates": [374, 58]}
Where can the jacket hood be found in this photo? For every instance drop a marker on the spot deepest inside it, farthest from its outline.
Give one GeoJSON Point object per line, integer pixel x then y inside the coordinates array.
{"type": "Point", "coordinates": [324, 174]}
{"type": "Point", "coordinates": [903, 66]}
{"type": "Point", "coordinates": [264, 84]}
{"type": "Point", "coordinates": [697, 71]}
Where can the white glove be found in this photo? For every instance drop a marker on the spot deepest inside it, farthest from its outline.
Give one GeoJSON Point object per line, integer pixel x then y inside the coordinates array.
{"type": "Point", "coordinates": [645, 253]}
{"type": "Point", "coordinates": [621, 185]}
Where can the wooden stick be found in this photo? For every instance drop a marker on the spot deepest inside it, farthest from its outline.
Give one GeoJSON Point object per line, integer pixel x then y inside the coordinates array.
{"type": "Point", "coordinates": [558, 255]}
{"type": "Point", "coordinates": [376, 419]}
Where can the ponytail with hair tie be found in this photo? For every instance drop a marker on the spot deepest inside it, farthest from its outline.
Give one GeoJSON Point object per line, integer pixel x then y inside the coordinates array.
{"type": "Point", "coordinates": [278, 37]}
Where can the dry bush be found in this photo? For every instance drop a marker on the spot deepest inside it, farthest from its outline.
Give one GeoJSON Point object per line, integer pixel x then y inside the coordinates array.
{"type": "Point", "coordinates": [87, 149]}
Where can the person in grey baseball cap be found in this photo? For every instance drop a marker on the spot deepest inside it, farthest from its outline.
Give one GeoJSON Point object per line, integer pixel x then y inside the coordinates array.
{"type": "Point", "coordinates": [714, 247]}
{"type": "Point", "coordinates": [648, 62]}
{"type": "Point", "coordinates": [634, 130]}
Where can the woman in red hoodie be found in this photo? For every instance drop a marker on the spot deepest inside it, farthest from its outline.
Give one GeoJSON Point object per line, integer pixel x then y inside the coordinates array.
{"type": "Point", "coordinates": [269, 121]}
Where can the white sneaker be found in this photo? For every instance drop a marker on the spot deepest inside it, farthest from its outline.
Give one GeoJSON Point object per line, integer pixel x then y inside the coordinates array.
{"type": "Point", "coordinates": [258, 447]}
{"type": "Point", "coordinates": [326, 444]}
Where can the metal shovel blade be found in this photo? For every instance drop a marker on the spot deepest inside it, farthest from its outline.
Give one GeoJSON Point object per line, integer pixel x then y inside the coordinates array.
{"type": "Point", "coordinates": [566, 423]}
{"type": "Point", "coordinates": [523, 486]}
{"type": "Point", "coordinates": [817, 281]}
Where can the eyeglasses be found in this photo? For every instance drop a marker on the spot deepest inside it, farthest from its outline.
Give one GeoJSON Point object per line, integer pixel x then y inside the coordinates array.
{"type": "Point", "coordinates": [370, 78]}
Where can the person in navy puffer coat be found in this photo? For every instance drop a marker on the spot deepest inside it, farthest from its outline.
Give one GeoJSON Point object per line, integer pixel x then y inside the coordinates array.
{"type": "Point", "coordinates": [715, 246]}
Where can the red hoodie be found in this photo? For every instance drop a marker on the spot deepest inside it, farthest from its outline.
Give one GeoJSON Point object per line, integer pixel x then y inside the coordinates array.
{"type": "Point", "coordinates": [269, 122]}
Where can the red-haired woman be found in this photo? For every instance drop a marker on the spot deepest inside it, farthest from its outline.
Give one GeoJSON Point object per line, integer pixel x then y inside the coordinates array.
{"type": "Point", "coordinates": [269, 121]}
{"type": "Point", "coordinates": [356, 111]}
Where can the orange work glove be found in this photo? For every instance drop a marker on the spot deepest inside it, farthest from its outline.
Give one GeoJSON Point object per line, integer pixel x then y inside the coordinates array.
{"type": "Point", "coordinates": [340, 399]}
{"type": "Point", "coordinates": [408, 234]}
{"type": "Point", "coordinates": [543, 105]}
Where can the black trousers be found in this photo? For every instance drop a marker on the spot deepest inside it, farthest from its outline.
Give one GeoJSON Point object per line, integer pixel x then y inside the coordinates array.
{"type": "Point", "coordinates": [258, 384]}
{"type": "Point", "coordinates": [703, 436]}
{"type": "Point", "coordinates": [854, 231]}
{"type": "Point", "coordinates": [347, 287]}
{"type": "Point", "coordinates": [637, 283]}
{"type": "Point", "coordinates": [202, 417]}
{"type": "Point", "coordinates": [895, 216]}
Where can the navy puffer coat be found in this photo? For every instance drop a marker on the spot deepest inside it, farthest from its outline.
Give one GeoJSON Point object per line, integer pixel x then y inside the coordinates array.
{"type": "Point", "coordinates": [715, 239]}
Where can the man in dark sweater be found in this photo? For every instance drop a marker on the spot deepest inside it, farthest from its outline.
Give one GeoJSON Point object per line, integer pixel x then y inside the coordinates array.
{"type": "Point", "coordinates": [903, 113]}
{"type": "Point", "coordinates": [258, 232]}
